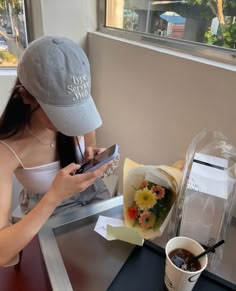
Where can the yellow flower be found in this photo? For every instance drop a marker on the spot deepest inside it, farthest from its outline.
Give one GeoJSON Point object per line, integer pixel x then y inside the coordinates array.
{"type": "Point", "coordinates": [145, 198]}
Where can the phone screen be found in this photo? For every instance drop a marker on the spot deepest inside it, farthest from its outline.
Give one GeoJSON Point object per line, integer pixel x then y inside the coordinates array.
{"type": "Point", "coordinates": [100, 159]}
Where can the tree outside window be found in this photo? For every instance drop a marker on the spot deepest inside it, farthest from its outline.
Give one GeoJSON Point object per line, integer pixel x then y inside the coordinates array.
{"type": "Point", "coordinates": [211, 22]}
{"type": "Point", "coordinates": [13, 36]}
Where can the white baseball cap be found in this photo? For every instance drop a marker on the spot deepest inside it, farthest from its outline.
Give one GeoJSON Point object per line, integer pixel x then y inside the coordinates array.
{"type": "Point", "coordinates": [56, 71]}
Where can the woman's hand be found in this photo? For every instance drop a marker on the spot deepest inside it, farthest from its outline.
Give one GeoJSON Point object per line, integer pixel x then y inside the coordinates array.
{"type": "Point", "coordinates": [66, 183]}
{"type": "Point", "coordinates": [90, 152]}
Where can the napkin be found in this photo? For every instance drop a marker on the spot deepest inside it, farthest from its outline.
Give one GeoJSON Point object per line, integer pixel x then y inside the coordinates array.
{"type": "Point", "coordinates": [112, 229]}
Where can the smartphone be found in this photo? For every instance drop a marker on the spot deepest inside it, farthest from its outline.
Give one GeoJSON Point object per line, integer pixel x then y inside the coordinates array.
{"type": "Point", "coordinates": [100, 159]}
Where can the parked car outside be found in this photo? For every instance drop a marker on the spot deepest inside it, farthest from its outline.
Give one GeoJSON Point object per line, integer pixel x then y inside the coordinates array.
{"type": "Point", "coordinates": [2, 38]}
{"type": "Point", "coordinates": [9, 30]}
{"type": "Point", "coordinates": [3, 45]}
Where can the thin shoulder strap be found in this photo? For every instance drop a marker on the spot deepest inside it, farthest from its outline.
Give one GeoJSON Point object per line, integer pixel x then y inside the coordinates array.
{"type": "Point", "coordinates": [11, 149]}
{"type": "Point", "coordinates": [79, 148]}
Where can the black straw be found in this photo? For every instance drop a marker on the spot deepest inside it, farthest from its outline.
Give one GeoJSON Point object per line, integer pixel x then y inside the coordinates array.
{"type": "Point", "coordinates": [211, 249]}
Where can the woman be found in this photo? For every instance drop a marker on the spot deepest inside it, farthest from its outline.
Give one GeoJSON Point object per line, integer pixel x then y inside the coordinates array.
{"type": "Point", "coordinates": [46, 130]}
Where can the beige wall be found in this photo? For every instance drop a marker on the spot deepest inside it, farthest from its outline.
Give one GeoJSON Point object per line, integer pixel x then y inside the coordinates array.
{"type": "Point", "coordinates": [67, 18]}
{"type": "Point", "coordinates": [152, 104]}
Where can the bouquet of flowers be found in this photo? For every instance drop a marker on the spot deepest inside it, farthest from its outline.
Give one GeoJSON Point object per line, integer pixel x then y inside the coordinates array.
{"type": "Point", "coordinates": [149, 195]}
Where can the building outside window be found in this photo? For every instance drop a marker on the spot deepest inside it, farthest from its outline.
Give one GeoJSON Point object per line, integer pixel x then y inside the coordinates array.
{"type": "Point", "coordinates": [13, 34]}
{"type": "Point", "coordinates": [210, 23]}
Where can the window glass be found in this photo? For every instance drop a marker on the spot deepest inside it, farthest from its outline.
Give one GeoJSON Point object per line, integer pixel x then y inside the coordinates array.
{"type": "Point", "coordinates": [13, 36]}
{"type": "Point", "coordinates": [211, 23]}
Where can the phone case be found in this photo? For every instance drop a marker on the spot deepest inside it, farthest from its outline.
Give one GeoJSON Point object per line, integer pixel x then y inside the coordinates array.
{"type": "Point", "coordinates": [105, 157]}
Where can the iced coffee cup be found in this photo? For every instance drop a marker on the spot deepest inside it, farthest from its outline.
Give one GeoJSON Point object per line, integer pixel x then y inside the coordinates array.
{"type": "Point", "coordinates": [182, 270]}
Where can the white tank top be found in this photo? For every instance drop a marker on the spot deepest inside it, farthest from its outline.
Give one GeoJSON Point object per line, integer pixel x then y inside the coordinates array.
{"type": "Point", "coordinates": [39, 179]}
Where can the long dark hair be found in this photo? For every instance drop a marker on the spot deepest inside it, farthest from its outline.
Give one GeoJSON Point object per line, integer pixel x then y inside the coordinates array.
{"type": "Point", "coordinates": [17, 116]}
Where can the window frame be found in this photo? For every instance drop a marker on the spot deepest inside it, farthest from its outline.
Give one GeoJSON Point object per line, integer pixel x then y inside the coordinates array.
{"type": "Point", "coordinates": [27, 25]}
{"type": "Point", "coordinates": [214, 53]}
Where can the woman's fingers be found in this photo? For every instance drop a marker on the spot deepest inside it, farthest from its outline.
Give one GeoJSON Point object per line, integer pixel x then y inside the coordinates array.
{"type": "Point", "coordinates": [90, 152]}
{"type": "Point", "coordinates": [71, 168]}
{"type": "Point", "coordinates": [84, 180]}
{"type": "Point", "coordinates": [93, 175]}
{"type": "Point", "coordinates": [65, 184]}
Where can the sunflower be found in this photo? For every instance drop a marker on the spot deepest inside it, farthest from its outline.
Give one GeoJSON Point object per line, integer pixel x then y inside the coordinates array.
{"type": "Point", "coordinates": [145, 198]}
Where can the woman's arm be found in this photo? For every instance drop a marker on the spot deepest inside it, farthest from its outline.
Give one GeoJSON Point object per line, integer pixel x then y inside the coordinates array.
{"type": "Point", "coordinates": [13, 238]}
{"type": "Point", "coordinates": [90, 146]}
{"type": "Point", "coordinates": [90, 139]}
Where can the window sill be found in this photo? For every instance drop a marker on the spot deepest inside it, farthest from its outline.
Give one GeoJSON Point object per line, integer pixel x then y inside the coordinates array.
{"type": "Point", "coordinates": [8, 71]}
{"type": "Point", "coordinates": [169, 51]}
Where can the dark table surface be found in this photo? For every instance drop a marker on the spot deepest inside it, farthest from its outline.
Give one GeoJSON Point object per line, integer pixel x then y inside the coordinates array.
{"type": "Point", "coordinates": [72, 240]}
{"type": "Point", "coordinates": [31, 275]}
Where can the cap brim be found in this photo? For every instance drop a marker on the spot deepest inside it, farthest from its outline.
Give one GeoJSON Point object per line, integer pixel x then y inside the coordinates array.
{"type": "Point", "coordinates": [74, 120]}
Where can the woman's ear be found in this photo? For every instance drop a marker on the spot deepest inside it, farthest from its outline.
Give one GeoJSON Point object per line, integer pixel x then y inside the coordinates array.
{"type": "Point", "coordinates": [27, 98]}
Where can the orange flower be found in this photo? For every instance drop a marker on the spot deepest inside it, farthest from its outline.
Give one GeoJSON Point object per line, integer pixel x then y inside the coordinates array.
{"type": "Point", "coordinates": [147, 219]}
{"type": "Point", "coordinates": [159, 191]}
{"type": "Point", "coordinates": [143, 184]}
{"type": "Point", "coordinates": [133, 212]}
